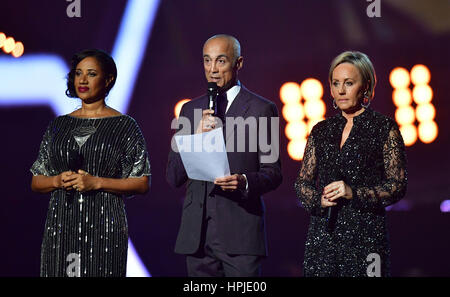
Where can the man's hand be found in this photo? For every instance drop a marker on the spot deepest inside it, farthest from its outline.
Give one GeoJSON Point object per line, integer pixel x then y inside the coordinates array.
{"type": "Point", "coordinates": [231, 182]}
{"type": "Point", "coordinates": [208, 122]}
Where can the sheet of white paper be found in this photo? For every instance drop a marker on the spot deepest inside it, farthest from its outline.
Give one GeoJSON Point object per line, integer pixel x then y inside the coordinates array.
{"type": "Point", "coordinates": [204, 155]}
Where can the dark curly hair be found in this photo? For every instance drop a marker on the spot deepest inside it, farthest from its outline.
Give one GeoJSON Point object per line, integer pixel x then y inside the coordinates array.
{"type": "Point", "coordinates": [107, 64]}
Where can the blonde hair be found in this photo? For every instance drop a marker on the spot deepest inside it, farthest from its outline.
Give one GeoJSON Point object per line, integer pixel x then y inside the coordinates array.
{"type": "Point", "coordinates": [362, 62]}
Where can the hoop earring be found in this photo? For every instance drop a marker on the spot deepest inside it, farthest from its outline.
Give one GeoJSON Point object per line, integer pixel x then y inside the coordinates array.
{"type": "Point", "coordinates": [366, 98]}
{"type": "Point", "coordinates": [335, 104]}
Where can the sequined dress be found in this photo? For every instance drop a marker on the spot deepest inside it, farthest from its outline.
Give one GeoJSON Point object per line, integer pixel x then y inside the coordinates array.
{"type": "Point", "coordinates": [372, 162]}
{"type": "Point", "coordinates": [86, 234]}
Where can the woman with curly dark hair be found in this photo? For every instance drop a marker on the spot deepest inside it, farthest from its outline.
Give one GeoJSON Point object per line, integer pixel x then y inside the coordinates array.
{"type": "Point", "coordinates": [88, 161]}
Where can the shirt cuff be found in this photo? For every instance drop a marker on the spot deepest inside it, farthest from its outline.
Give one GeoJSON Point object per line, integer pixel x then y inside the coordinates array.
{"type": "Point", "coordinates": [245, 192]}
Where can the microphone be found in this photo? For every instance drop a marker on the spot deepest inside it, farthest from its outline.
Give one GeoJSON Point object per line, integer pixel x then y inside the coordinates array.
{"type": "Point", "coordinates": [213, 91]}
{"type": "Point", "coordinates": [331, 217]}
{"type": "Point", "coordinates": [75, 162]}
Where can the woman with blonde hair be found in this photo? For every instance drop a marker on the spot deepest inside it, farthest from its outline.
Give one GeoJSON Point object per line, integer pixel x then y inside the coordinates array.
{"type": "Point", "coordinates": [354, 166]}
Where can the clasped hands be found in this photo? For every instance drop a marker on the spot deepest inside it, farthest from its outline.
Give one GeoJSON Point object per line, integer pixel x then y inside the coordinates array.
{"type": "Point", "coordinates": [333, 191]}
{"type": "Point", "coordinates": [80, 181]}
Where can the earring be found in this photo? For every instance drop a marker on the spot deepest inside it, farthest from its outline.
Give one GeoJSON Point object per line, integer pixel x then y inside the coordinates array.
{"type": "Point", "coordinates": [366, 101]}
{"type": "Point", "coordinates": [335, 104]}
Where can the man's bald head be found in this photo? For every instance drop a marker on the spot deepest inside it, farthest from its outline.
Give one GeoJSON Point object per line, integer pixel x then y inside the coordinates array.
{"type": "Point", "coordinates": [233, 42]}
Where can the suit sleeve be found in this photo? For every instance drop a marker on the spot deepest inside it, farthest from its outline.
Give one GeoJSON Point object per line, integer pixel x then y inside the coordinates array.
{"type": "Point", "coordinates": [268, 177]}
{"type": "Point", "coordinates": [176, 175]}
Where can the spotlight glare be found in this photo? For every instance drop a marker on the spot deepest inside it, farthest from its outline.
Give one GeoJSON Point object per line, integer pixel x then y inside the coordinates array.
{"type": "Point", "coordinates": [422, 94]}
{"type": "Point", "coordinates": [420, 75]}
{"type": "Point", "coordinates": [402, 97]}
{"type": "Point", "coordinates": [296, 149]}
{"type": "Point", "coordinates": [293, 112]}
{"type": "Point", "coordinates": [428, 131]}
{"type": "Point", "coordinates": [405, 115]}
{"type": "Point", "coordinates": [311, 89]}
{"type": "Point", "coordinates": [425, 112]}
{"type": "Point", "coordinates": [290, 93]}
{"type": "Point", "coordinates": [445, 206]}
{"type": "Point", "coordinates": [296, 130]}
{"type": "Point", "coordinates": [409, 134]}
{"type": "Point", "coordinates": [9, 45]}
{"type": "Point", "coordinates": [399, 78]}
{"type": "Point", "coordinates": [178, 106]}
{"type": "Point", "coordinates": [18, 50]}
{"type": "Point", "coordinates": [314, 109]}
{"type": "Point", "coordinates": [2, 38]}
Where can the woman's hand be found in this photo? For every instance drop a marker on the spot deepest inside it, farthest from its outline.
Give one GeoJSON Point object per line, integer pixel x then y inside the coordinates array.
{"type": "Point", "coordinates": [82, 182]}
{"type": "Point", "coordinates": [336, 190]}
{"type": "Point", "coordinates": [62, 178]}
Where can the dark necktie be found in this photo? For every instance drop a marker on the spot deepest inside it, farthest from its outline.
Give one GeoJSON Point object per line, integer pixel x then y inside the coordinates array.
{"type": "Point", "coordinates": [222, 103]}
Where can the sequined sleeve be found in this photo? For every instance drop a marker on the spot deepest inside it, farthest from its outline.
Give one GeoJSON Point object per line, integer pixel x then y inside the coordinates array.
{"type": "Point", "coordinates": [136, 162]}
{"type": "Point", "coordinates": [41, 165]}
{"type": "Point", "coordinates": [305, 185]}
{"type": "Point", "coordinates": [393, 187]}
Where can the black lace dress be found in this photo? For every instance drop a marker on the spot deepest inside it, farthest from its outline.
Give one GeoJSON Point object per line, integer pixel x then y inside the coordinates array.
{"type": "Point", "coordinates": [372, 162]}
{"type": "Point", "coordinates": [86, 234]}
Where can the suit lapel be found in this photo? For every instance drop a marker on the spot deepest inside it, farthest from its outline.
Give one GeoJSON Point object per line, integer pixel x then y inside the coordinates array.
{"type": "Point", "coordinates": [238, 108]}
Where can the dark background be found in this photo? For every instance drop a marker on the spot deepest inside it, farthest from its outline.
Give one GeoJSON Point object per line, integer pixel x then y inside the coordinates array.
{"type": "Point", "coordinates": [281, 41]}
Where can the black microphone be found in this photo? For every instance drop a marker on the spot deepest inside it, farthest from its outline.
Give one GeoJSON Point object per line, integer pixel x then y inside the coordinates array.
{"type": "Point", "coordinates": [213, 91]}
{"type": "Point", "coordinates": [331, 217]}
{"type": "Point", "coordinates": [75, 162]}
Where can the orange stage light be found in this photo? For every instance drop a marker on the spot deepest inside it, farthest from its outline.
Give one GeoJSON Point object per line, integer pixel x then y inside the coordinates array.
{"type": "Point", "coordinates": [290, 93]}
{"type": "Point", "coordinates": [178, 106]}
{"type": "Point", "coordinates": [399, 78]}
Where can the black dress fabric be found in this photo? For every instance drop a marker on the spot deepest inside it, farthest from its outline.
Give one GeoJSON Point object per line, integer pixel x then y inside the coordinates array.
{"type": "Point", "coordinates": [90, 226]}
{"type": "Point", "coordinates": [372, 162]}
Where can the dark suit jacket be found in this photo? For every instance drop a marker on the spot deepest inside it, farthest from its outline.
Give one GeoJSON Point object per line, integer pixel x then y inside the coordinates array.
{"type": "Point", "coordinates": [240, 217]}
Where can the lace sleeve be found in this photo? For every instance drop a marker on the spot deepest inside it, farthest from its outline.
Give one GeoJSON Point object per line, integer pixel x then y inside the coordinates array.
{"type": "Point", "coordinates": [393, 187]}
{"type": "Point", "coordinates": [305, 185]}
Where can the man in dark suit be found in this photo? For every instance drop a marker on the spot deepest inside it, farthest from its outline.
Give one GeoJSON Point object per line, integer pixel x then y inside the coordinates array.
{"type": "Point", "coordinates": [222, 230]}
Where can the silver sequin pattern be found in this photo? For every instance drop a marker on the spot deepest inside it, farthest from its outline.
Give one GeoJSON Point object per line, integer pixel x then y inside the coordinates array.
{"type": "Point", "coordinates": [372, 162]}
{"type": "Point", "coordinates": [96, 228]}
